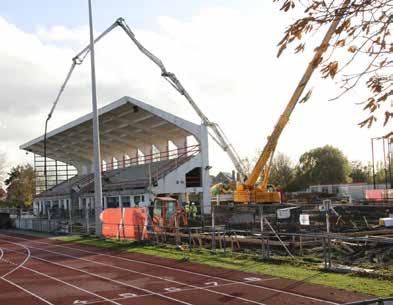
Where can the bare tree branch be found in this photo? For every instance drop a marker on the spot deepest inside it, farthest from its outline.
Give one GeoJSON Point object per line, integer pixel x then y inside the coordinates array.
{"type": "Point", "coordinates": [365, 33]}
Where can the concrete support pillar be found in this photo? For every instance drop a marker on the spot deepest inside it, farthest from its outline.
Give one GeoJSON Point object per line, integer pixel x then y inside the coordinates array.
{"type": "Point", "coordinates": [147, 151]}
{"type": "Point", "coordinates": [163, 147]}
{"type": "Point", "coordinates": [181, 144]}
{"type": "Point", "coordinates": [119, 160]}
{"type": "Point", "coordinates": [109, 163]}
{"type": "Point", "coordinates": [133, 157]}
{"type": "Point", "coordinates": [206, 195]}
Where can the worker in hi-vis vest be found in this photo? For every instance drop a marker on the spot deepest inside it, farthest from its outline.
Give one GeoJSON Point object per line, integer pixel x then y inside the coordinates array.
{"type": "Point", "coordinates": [191, 210]}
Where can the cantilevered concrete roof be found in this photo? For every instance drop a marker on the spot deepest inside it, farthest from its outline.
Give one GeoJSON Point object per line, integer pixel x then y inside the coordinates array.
{"type": "Point", "coordinates": [125, 125]}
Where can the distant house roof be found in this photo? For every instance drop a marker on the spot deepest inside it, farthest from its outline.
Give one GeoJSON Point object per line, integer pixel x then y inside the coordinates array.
{"type": "Point", "coordinates": [222, 177]}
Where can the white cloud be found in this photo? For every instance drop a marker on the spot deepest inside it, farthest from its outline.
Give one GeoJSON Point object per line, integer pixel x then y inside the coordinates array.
{"type": "Point", "coordinates": [226, 61]}
{"type": "Point", "coordinates": [62, 34]}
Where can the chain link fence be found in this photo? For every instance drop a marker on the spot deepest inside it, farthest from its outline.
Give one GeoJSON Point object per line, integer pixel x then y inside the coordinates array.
{"type": "Point", "coordinates": [345, 235]}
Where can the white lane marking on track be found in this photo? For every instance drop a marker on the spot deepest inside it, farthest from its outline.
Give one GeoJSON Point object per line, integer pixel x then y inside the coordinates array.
{"type": "Point", "coordinates": [71, 285]}
{"type": "Point", "coordinates": [21, 288]}
{"type": "Point", "coordinates": [252, 279]}
{"type": "Point", "coordinates": [18, 266]}
{"type": "Point", "coordinates": [100, 276]}
{"type": "Point", "coordinates": [61, 281]}
{"type": "Point", "coordinates": [180, 270]}
{"type": "Point", "coordinates": [145, 274]}
{"type": "Point", "coordinates": [169, 292]}
{"type": "Point", "coordinates": [27, 291]}
{"type": "Point", "coordinates": [79, 302]}
{"type": "Point", "coordinates": [128, 295]}
{"type": "Point", "coordinates": [172, 289]}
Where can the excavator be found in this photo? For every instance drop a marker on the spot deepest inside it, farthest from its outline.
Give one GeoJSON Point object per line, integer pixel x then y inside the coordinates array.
{"type": "Point", "coordinates": [167, 213]}
{"type": "Point", "coordinates": [255, 188]}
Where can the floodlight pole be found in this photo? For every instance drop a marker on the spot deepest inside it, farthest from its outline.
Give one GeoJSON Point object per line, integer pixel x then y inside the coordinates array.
{"type": "Point", "coordinates": [96, 133]}
{"type": "Point", "coordinates": [373, 161]}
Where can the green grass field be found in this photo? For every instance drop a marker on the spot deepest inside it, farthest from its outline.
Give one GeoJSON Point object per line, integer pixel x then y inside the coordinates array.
{"type": "Point", "coordinates": [300, 271]}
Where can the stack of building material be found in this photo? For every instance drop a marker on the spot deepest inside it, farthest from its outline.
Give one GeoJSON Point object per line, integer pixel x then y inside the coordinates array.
{"type": "Point", "coordinates": [386, 222]}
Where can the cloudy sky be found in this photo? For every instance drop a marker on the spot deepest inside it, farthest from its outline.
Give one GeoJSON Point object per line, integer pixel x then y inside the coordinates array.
{"type": "Point", "coordinates": [222, 51]}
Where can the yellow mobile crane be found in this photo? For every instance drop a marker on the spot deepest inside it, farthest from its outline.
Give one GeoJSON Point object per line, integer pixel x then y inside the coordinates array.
{"type": "Point", "coordinates": [250, 191]}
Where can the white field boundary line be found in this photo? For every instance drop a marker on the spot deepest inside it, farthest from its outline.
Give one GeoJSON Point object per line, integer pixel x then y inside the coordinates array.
{"type": "Point", "coordinates": [51, 277]}
{"type": "Point", "coordinates": [103, 277]}
{"type": "Point", "coordinates": [20, 287]}
{"type": "Point", "coordinates": [136, 272]}
{"type": "Point", "coordinates": [17, 265]}
{"type": "Point", "coordinates": [27, 291]}
{"type": "Point", "coordinates": [181, 290]}
{"type": "Point", "coordinates": [181, 270]}
{"type": "Point", "coordinates": [68, 284]}
{"type": "Point", "coordinates": [192, 287]}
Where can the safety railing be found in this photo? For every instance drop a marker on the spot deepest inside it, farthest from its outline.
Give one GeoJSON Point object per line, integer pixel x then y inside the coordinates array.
{"type": "Point", "coordinates": [187, 154]}
{"type": "Point", "coordinates": [158, 156]}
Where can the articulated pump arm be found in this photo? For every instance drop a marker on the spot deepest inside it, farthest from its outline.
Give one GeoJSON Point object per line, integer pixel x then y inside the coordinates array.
{"type": "Point", "coordinates": [262, 165]}
{"type": "Point", "coordinates": [219, 136]}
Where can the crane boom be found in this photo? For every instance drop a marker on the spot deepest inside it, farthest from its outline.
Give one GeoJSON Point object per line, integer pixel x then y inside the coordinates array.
{"type": "Point", "coordinates": [219, 138]}
{"type": "Point", "coordinates": [248, 192]}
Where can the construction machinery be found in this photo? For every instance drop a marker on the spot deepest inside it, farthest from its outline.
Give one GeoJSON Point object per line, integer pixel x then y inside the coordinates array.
{"type": "Point", "coordinates": [219, 137]}
{"type": "Point", "coordinates": [167, 214]}
{"type": "Point", "coordinates": [255, 188]}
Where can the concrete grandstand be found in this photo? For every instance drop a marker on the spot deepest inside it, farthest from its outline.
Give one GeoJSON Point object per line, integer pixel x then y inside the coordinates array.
{"type": "Point", "coordinates": [145, 152]}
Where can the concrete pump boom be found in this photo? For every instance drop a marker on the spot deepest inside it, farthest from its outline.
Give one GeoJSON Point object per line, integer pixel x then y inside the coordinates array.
{"type": "Point", "coordinates": [249, 191]}
{"type": "Point", "coordinates": [219, 137]}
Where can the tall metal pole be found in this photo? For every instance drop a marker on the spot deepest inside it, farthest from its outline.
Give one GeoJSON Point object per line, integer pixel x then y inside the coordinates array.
{"type": "Point", "coordinates": [96, 133]}
{"type": "Point", "coordinates": [390, 162]}
{"type": "Point", "coordinates": [384, 164]}
{"type": "Point", "coordinates": [372, 154]}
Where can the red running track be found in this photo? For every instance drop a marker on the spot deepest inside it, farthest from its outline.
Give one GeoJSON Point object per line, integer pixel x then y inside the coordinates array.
{"type": "Point", "coordinates": [37, 271]}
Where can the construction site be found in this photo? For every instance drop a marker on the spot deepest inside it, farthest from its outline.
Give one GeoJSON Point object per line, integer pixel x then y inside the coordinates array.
{"type": "Point", "coordinates": [132, 172]}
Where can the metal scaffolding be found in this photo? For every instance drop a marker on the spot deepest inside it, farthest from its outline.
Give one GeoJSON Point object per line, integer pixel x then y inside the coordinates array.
{"type": "Point", "coordinates": [56, 172]}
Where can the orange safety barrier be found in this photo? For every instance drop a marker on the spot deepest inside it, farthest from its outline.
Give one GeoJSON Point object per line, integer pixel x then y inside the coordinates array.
{"type": "Point", "coordinates": [374, 195]}
{"type": "Point", "coordinates": [379, 195]}
{"type": "Point", "coordinates": [125, 223]}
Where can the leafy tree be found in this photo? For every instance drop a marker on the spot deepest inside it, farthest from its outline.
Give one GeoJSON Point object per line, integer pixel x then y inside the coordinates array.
{"type": "Point", "coordinates": [359, 52]}
{"type": "Point", "coordinates": [360, 172]}
{"type": "Point", "coordinates": [380, 173]}
{"type": "Point", "coordinates": [323, 165]}
{"type": "Point", "coordinates": [281, 171]}
{"type": "Point", "coordinates": [20, 184]}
